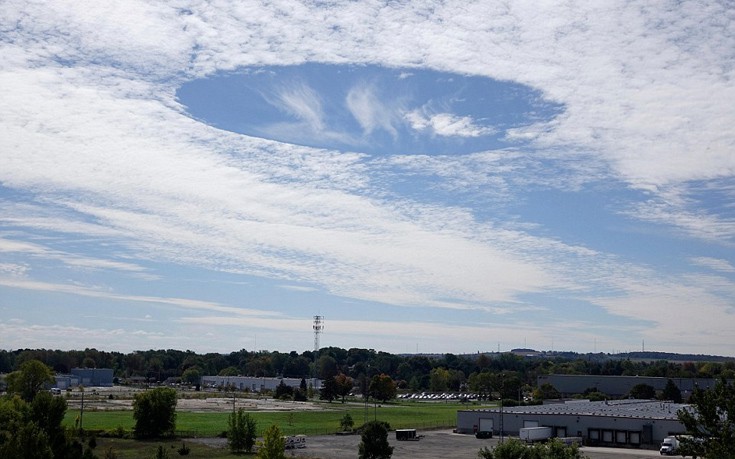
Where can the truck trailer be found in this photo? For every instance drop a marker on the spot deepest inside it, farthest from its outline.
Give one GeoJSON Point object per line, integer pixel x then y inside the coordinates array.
{"type": "Point", "coordinates": [532, 434]}
{"type": "Point", "coordinates": [669, 446]}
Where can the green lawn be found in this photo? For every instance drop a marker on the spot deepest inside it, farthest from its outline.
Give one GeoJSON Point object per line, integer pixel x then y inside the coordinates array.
{"type": "Point", "coordinates": [136, 449]}
{"type": "Point", "coordinates": [398, 415]}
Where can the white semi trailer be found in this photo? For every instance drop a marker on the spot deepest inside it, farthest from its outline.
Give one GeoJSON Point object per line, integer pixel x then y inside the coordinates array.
{"type": "Point", "coordinates": [532, 434]}
{"type": "Point", "coordinates": [669, 446]}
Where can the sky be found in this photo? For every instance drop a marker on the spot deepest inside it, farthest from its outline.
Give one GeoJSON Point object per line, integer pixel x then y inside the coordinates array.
{"type": "Point", "coordinates": [431, 177]}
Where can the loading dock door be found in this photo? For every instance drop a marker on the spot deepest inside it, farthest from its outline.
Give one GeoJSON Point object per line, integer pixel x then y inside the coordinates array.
{"type": "Point", "coordinates": [486, 425]}
{"type": "Point", "coordinates": [530, 423]}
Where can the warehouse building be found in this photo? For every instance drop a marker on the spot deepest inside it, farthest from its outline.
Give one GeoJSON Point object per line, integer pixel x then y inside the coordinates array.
{"type": "Point", "coordinates": [618, 386]}
{"type": "Point", "coordinates": [619, 423]}
{"type": "Point", "coordinates": [254, 384]}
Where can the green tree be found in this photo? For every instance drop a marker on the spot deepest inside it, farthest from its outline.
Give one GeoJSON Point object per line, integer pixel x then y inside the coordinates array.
{"type": "Point", "coordinates": [47, 412]}
{"type": "Point", "coordinates": [439, 379]}
{"type": "Point", "coordinates": [31, 377]}
{"type": "Point", "coordinates": [192, 376]}
{"type": "Point", "coordinates": [329, 389]}
{"type": "Point", "coordinates": [671, 392]}
{"type": "Point", "coordinates": [382, 387]}
{"type": "Point", "coordinates": [229, 371]}
{"type": "Point", "coordinates": [343, 385]}
{"type": "Point", "coordinates": [710, 421]}
{"type": "Point", "coordinates": [154, 412]}
{"type": "Point", "coordinates": [283, 391]}
{"type": "Point", "coordinates": [545, 392]}
{"type": "Point", "coordinates": [242, 432]}
{"type": "Point", "coordinates": [514, 448]}
{"type": "Point", "coordinates": [273, 445]}
{"type": "Point", "coordinates": [643, 392]}
{"type": "Point", "coordinates": [346, 423]}
{"type": "Point", "coordinates": [20, 437]}
{"type": "Point", "coordinates": [374, 441]}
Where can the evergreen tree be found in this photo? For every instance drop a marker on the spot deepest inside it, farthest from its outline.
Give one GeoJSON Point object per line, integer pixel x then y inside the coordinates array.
{"type": "Point", "coordinates": [273, 445]}
{"type": "Point", "coordinates": [671, 392]}
{"type": "Point", "coordinates": [329, 390]}
{"type": "Point", "coordinates": [242, 432]}
{"type": "Point", "coordinates": [374, 441]}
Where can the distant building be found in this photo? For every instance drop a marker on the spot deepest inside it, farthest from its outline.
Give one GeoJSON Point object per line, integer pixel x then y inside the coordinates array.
{"type": "Point", "coordinates": [66, 381]}
{"type": "Point", "coordinates": [621, 423]}
{"type": "Point", "coordinates": [254, 384]}
{"type": "Point", "coordinates": [95, 377]}
{"type": "Point", "coordinates": [618, 386]}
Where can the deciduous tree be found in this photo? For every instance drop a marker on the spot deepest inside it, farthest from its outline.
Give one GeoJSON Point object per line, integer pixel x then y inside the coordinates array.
{"type": "Point", "coordinates": [710, 422]}
{"type": "Point", "coordinates": [382, 387]}
{"type": "Point", "coordinates": [344, 385]}
{"type": "Point", "coordinates": [643, 392]}
{"type": "Point", "coordinates": [154, 412]}
{"type": "Point", "coordinates": [29, 379]}
{"type": "Point", "coordinates": [514, 448]}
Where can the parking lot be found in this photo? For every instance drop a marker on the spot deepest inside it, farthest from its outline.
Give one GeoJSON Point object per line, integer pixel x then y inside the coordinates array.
{"type": "Point", "coordinates": [435, 444]}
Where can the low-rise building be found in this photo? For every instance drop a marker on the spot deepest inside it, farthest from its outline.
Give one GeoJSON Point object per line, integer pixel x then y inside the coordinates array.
{"type": "Point", "coordinates": [255, 384]}
{"type": "Point", "coordinates": [618, 386]}
{"type": "Point", "coordinates": [622, 423]}
{"type": "Point", "coordinates": [95, 377]}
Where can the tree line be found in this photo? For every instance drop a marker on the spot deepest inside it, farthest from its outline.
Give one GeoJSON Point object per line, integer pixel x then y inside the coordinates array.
{"type": "Point", "coordinates": [447, 372]}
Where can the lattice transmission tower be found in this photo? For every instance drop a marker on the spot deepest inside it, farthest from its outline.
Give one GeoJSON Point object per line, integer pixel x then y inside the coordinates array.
{"type": "Point", "coordinates": [318, 327]}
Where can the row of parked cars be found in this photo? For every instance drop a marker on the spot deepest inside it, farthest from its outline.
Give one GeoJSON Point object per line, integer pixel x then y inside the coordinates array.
{"type": "Point", "coordinates": [438, 396]}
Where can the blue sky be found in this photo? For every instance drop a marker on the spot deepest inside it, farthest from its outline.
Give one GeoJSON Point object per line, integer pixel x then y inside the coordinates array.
{"type": "Point", "coordinates": [433, 177]}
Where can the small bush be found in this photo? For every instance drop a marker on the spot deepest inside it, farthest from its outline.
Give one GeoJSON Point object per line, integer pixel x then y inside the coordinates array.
{"type": "Point", "coordinates": [184, 450]}
{"type": "Point", "coordinates": [161, 453]}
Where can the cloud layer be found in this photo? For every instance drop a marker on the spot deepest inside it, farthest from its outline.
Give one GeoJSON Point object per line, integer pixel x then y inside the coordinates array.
{"type": "Point", "coordinates": [112, 193]}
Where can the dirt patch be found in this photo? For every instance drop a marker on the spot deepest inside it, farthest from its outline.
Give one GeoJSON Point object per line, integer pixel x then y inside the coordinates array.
{"type": "Point", "coordinates": [121, 399]}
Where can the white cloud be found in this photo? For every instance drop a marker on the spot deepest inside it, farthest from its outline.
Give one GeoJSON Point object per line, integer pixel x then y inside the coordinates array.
{"type": "Point", "coordinates": [364, 102]}
{"type": "Point", "coordinates": [716, 264]}
{"type": "Point", "coordinates": [13, 269]}
{"type": "Point", "coordinates": [302, 102]}
{"type": "Point", "coordinates": [446, 124]}
{"type": "Point", "coordinates": [94, 137]}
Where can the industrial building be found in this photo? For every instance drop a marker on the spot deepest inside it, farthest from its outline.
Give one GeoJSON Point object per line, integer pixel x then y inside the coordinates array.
{"type": "Point", "coordinates": [89, 377]}
{"type": "Point", "coordinates": [618, 386]}
{"type": "Point", "coordinates": [254, 384]}
{"type": "Point", "coordinates": [619, 423]}
{"type": "Point", "coordinates": [96, 377]}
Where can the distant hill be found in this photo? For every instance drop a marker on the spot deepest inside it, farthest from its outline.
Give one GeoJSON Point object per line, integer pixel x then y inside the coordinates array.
{"type": "Point", "coordinates": [601, 356]}
{"type": "Point", "coordinates": [652, 355]}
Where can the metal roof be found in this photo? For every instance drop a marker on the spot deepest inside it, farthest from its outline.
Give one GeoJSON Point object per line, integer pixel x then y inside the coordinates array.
{"type": "Point", "coordinates": [642, 409]}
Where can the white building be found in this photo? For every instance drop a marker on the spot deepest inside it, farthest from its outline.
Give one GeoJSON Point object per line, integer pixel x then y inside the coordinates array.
{"type": "Point", "coordinates": [254, 384]}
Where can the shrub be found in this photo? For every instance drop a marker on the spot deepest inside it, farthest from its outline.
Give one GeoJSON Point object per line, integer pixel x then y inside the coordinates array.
{"type": "Point", "coordinates": [184, 450]}
{"type": "Point", "coordinates": [273, 444]}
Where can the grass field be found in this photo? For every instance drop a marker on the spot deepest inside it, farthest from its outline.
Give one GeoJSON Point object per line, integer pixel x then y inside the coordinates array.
{"type": "Point", "coordinates": [398, 415]}
{"type": "Point", "coordinates": [136, 449]}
